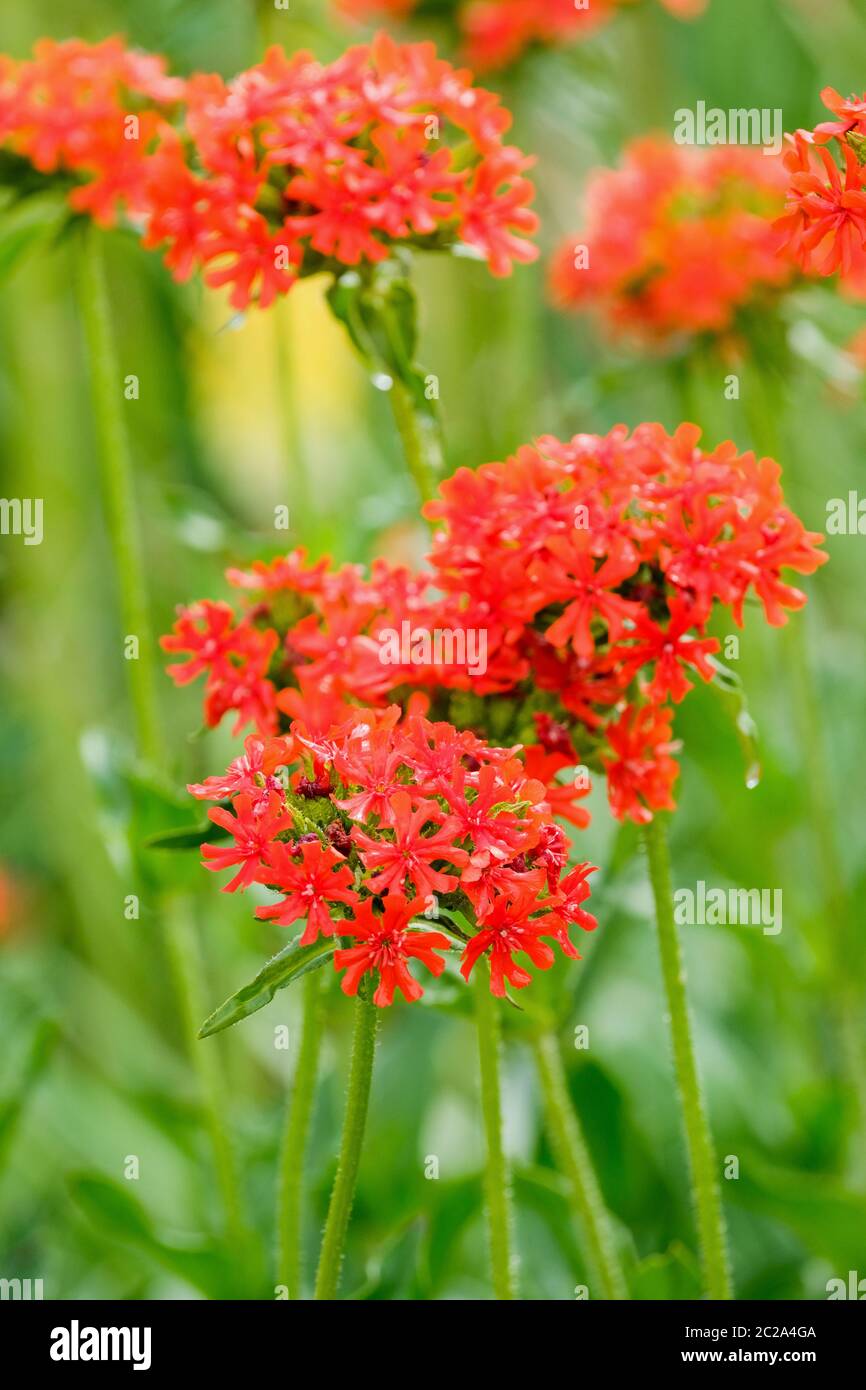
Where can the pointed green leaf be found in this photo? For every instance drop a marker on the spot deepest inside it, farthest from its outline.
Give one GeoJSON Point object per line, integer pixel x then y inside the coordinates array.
{"type": "Point", "coordinates": [729, 687]}
{"type": "Point", "coordinates": [288, 965]}
{"type": "Point", "coordinates": [39, 1055]}
{"type": "Point", "coordinates": [187, 837]}
{"type": "Point", "coordinates": [26, 226]}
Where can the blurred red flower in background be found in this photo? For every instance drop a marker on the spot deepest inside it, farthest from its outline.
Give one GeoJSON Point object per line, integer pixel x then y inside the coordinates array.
{"type": "Point", "coordinates": [677, 240]}
{"type": "Point", "coordinates": [291, 168]}
{"type": "Point", "coordinates": [494, 33]}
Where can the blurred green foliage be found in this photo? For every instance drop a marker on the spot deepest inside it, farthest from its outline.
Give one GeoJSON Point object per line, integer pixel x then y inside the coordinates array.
{"type": "Point", "coordinates": [234, 418]}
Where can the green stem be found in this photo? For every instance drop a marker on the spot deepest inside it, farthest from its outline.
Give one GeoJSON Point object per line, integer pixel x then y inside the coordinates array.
{"type": "Point", "coordinates": [117, 485]}
{"type": "Point", "coordinates": [702, 1161]}
{"type": "Point", "coordinates": [343, 1194]}
{"type": "Point", "coordinates": [119, 498]}
{"type": "Point", "coordinates": [290, 411]}
{"type": "Point", "coordinates": [419, 436]}
{"type": "Point", "coordinates": [574, 1161]}
{"type": "Point", "coordinates": [497, 1182]}
{"type": "Point", "coordinates": [295, 1139]}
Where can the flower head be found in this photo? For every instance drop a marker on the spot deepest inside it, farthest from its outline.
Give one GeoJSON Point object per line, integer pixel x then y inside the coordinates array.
{"type": "Point", "coordinates": [677, 240]}
{"type": "Point", "coordinates": [384, 840]}
{"type": "Point", "coordinates": [593, 567]}
{"type": "Point", "coordinates": [313, 877]}
{"type": "Point", "coordinates": [824, 223]}
{"type": "Point", "coordinates": [290, 168]}
{"type": "Point", "coordinates": [385, 944]}
{"type": "Point", "coordinates": [496, 33]}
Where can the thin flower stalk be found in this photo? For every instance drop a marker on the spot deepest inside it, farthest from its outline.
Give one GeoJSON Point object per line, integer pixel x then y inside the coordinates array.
{"type": "Point", "coordinates": [295, 1140]}
{"type": "Point", "coordinates": [703, 1164]}
{"type": "Point", "coordinates": [575, 1163]}
{"type": "Point", "coordinates": [498, 1198]}
{"type": "Point", "coordinates": [349, 1161]}
{"type": "Point", "coordinates": [119, 498]}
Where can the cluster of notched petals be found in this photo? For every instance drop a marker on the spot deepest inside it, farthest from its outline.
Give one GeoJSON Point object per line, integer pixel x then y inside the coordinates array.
{"type": "Point", "coordinates": [291, 167]}
{"type": "Point", "coordinates": [824, 224]}
{"type": "Point", "coordinates": [366, 826]}
{"type": "Point", "coordinates": [677, 241]}
{"type": "Point", "coordinates": [495, 33]}
{"type": "Point", "coordinates": [592, 567]}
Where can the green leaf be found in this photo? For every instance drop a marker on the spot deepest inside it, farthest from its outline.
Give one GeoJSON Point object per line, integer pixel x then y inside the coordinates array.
{"type": "Point", "coordinates": [379, 311]}
{"type": "Point", "coordinates": [24, 227]}
{"type": "Point", "coordinates": [729, 688]}
{"type": "Point", "coordinates": [184, 837]}
{"type": "Point", "coordinates": [285, 967]}
{"type": "Point", "coordinates": [667, 1277]}
{"type": "Point", "coordinates": [116, 1213]}
{"type": "Point", "coordinates": [137, 805]}
{"type": "Point", "coordinates": [12, 1106]}
{"type": "Point", "coordinates": [828, 1217]}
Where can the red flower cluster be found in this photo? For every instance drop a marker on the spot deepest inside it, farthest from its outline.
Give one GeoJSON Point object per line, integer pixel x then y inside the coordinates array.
{"type": "Point", "coordinates": [495, 33]}
{"type": "Point", "coordinates": [591, 568]}
{"type": "Point", "coordinates": [602, 560]}
{"type": "Point", "coordinates": [313, 637]}
{"type": "Point", "coordinates": [677, 240]}
{"type": "Point", "coordinates": [825, 221]}
{"type": "Point", "coordinates": [92, 110]}
{"type": "Point", "coordinates": [291, 168]}
{"type": "Point", "coordinates": [379, 825]}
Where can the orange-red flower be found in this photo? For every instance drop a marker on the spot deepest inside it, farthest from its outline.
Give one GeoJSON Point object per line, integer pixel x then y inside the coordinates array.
{"type": "Point", "coordinates": [494, 33]}
{"type": "Point", "coordinates": [593, 567]}
{"type": "Point", "coordinates": [677, 240]}
{"type": "Point", "coordinates": [409, 857]}
{"type": "Point", "coordinates": [386, 944]}
{"type": "Point", "coordinates": [641, 770]}
{"type": "Point", "coordinates": [824, 223]}
{"type": "Point", "coordinates": [465, 821]}
{"type": "Point", "coordinates": [311, 884]}
{"type": "Point", "coordinates": [514, 925]}
{"type": "Point", "coordinates": [291, 168]}
{"type": "Point", "coordinates": [253, 828]}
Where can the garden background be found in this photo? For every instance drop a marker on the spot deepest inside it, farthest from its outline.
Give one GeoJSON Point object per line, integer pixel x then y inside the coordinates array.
{"type": "Point", "coordinates": [237, 416]}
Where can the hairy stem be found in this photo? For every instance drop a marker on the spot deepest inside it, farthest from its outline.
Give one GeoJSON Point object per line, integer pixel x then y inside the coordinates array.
{"type": "Point", "coordinates": [295, 1137]}
{"type": "Point", "coordinates": [343, 1194]}
{"type": "Point", "coordinates": [574, 1162]}
{"type": "Point", "coordinates": [497, 1182]}
{"type": "Point", "coordinates": [291, 420]}
{"type": "Point", "coordinates": [712, 1234]}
